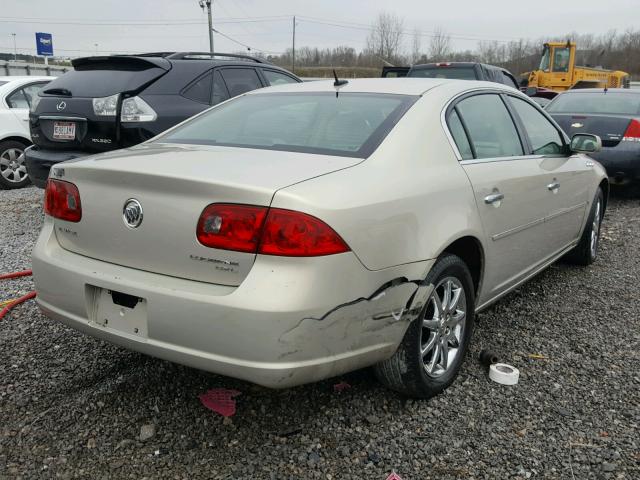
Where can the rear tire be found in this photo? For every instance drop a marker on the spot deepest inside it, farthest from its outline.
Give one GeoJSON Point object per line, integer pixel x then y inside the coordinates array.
{"type": "Point", "coordinates": [433, 348]}
{"type": "Point", "coordinates": [13, 170]}
{"type": "Point", "coordinates": [586, 252]}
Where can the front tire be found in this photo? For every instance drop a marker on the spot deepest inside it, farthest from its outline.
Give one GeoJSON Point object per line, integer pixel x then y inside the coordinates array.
{"type": "Point", "coordinates": [13, 170]}
{"type": "Point", "coordinates": [586, 251]}
{"type": "Point", "coordinates": [433, 348]}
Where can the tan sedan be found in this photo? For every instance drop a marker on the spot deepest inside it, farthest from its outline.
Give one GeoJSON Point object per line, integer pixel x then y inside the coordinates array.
{"type": "Point", "coordinates": [298, 232]}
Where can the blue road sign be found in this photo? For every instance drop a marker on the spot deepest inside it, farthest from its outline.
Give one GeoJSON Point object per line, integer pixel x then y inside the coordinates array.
{"type": "Point", "coordinates": [44, 44]}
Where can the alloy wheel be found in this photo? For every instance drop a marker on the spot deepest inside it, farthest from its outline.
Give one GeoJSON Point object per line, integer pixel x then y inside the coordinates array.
{"type": "Point", "coordinates": [12, 166]}
{"type": "Point", "coordinates": [443, 326]}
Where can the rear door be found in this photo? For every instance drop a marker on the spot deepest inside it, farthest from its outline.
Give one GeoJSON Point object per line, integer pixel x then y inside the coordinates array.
{"type": "Point", "coordinates": [80, 110]}
{"type": "Point", "coordinates": [508, 186]}
{"type": "Point", "coordinates": [564, 174]}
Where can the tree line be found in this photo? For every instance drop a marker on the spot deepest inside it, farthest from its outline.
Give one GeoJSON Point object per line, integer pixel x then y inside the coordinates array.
{"type": "Point", "coordinates": [388, 43]}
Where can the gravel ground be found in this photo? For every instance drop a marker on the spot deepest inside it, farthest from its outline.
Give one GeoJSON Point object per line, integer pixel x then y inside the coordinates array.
{"type": "Point", "coordinates": [73, 407]}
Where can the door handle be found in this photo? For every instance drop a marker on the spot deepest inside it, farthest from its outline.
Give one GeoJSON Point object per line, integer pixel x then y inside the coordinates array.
{"type": "Point", "coordinates": [553, 187]}
{"type": "Point", "coordinates": [493, 198]}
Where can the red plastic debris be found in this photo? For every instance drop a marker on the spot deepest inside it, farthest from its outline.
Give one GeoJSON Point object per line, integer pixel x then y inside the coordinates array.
{"type": "Point", "coordinates": [394, 476]}
{"type": "Point", "coordinates": [220, 400]}
{"type": "Point", "coordinates": [341, 387]}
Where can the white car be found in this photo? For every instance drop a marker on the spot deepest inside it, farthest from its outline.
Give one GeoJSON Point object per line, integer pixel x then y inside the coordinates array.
{"type": "Point", "coordinates": [16, 97]}
{"type": "Point", "coordinates": [298, 232]}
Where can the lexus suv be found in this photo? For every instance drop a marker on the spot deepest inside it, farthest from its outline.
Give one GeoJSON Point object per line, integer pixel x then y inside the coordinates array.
{"type": "Point", "coordinates": [114, 102]}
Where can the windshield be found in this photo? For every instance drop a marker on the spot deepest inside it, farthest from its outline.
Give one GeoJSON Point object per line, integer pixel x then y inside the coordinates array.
{"type": "Point", "coordinates": [351, 124]}
{"type": "Point", "coordinates": [596, 102]}
{"type": "Point", "coordinates": [460, 73]}
{"type": "Point", "coordinates": [544, 61]}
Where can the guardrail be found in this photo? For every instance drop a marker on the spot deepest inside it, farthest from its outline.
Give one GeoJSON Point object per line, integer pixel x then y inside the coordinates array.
{"type": "Point", "coordinates": [10, 69]}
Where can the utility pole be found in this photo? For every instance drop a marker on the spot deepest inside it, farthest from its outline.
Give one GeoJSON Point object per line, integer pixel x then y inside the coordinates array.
{"type": "Point", "coordinates": [208, 3]}
{"type": "Point", "coordinates": [293, 50]}
{"type": "Point", "coordinates": [15, 51]}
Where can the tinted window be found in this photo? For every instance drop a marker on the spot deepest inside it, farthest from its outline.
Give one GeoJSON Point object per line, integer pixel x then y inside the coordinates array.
{"type": "Point", "coordinates": [464, 73]}
{"type": "Point", "coordinates": [219, 89]}
{"type": "Point", "coordinates": [277, 78]}
{"type": "Point", "coordinates": [352, 124]}
{"type": "Point", "coordinates": [596, 102]}
{"type": "Point", "coordinates": [240, 80]}
{"type": "Point", "coordinates": [459, 136]}
{"type": "Point", "coordinates": [200, 90]}
{"type": "Point", "coordinates": [490, 126]}
{"type": "Point", "coordinates": [544, 138]}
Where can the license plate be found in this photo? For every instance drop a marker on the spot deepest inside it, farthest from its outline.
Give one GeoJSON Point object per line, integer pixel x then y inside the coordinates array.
{"type": "Point", "coordinates": [64, 130]}
{"type": "Point", "coordinates": [110, 312]}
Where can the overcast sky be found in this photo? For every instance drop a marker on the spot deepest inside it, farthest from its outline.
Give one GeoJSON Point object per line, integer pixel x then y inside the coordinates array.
{"type": "Point", "coordinates": [161, 25]}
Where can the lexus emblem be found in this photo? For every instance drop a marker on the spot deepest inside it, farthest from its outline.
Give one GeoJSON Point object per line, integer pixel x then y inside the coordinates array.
{"type": "Point", "coordinates": [577, 125]}
{"type": "Point", "coordinates": [132, 213]}
{"type": "Point", "coordinates": [61, 106]}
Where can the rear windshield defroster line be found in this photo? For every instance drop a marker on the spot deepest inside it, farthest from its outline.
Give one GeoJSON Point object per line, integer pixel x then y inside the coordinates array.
{"type": "Point", "coordinates": [348, 125]}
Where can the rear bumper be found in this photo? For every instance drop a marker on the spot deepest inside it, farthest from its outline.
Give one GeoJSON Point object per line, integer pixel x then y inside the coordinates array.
{"type": "Point", "coordinates": [40, 161]}
{"type": "Point", "coordinates": [622, 162]}
{"type": "Point", "coordinates": [289, 322]}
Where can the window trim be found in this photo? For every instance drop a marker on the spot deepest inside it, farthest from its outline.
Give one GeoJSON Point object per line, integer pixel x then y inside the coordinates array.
{"type": "Point", "coordinates": [453, 103]}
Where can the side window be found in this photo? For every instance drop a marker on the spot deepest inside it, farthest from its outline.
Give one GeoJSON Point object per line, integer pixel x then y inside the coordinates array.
{"type": "Point", "coordinates": [220, 93]}
{"type": "Point", "coordinates": [491, 129]}
{"type": "Point", "coordinates": [459, 136]}
{"type": "Point", "coordinates": [200, 90]}
{"type": "Point", "coordinates": [544, 138]}
{"type": "Point", "coordinates": [277, 78]}
{"type": "Point", "coordinates": [18, 99]}
{"type": "Point", "coordinates": [240, 80]}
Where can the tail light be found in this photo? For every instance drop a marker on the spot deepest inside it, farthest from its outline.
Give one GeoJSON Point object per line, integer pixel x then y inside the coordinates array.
{"type": "Point", "coordinates": [632, 134]}
{"type": "Point", "coordinates": [62, 200]}
{"type": "Point", "coordinates": [247, 228]}
{"type": "Point", "coordinates": [135, 109]}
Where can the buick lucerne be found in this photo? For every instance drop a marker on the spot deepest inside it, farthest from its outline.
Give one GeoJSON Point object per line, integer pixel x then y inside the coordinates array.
{"type": "Point", "coordinates": [298, 232]}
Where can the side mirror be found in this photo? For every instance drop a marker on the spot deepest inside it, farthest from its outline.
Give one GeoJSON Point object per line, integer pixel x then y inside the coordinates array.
{"type": "Point", "coordinates": [586, 143]}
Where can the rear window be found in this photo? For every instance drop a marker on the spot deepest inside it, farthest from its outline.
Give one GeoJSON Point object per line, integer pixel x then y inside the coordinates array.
{"type": "Point", "coordinates": [459, 73]}
{"type": "Point", "coordinates": [596, 102]}
{"type": "Point", "coordinates": [102, 79]}
{"type": "Point", "coordinates": [352, 124]}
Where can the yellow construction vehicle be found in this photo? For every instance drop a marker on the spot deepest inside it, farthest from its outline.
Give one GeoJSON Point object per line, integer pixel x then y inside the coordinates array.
{"type": "Point", "coordinates": [558, 71]}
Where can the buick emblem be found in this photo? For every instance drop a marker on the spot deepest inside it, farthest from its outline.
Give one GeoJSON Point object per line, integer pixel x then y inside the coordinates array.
{"type": "Point", "coordinates": [61, 106]}
{"type": "Point", "coordinates": [132, 213]}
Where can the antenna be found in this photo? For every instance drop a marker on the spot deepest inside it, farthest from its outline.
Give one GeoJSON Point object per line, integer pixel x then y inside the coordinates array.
{"type": "Point", "coordinates": [338, 82]}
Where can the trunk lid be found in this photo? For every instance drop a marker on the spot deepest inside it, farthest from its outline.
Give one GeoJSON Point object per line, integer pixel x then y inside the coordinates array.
{"type": "Point", "coordinates": [610, 128]}
{"type": "Point", "coordinates": [173, 184]}
{"type": "Point", "coordinates": [64, 118]}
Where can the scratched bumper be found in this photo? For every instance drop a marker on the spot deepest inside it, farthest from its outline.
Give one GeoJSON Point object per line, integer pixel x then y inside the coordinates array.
{"type": "Point", "coordinates": [291, 321]}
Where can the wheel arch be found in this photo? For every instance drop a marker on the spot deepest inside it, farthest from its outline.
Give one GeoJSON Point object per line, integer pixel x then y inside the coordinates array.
{"type": "Point", "coordinates": [470, 250]}
{"type": "Point", "coordinates": [17, 138]}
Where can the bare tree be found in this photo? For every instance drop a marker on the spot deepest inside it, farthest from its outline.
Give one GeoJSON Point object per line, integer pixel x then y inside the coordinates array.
{"type": "Point", "coordinates": [416, 46]}
{"type": "Point", "coordinates": [440, 46]}
{"type": "Point", "coordinates": [385, 38]}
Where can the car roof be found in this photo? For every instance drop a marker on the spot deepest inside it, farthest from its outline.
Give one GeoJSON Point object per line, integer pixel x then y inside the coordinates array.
{"type": "Point", "coordinates": [398, 86]}
{"type": "Point", "coordinates": [24, 78]}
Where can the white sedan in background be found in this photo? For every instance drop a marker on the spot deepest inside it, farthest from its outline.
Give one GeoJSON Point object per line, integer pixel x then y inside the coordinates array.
{"type": "Point", "coordinates": [16, 97]}
{"type": "Point", "coordinates": [297, 232]}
